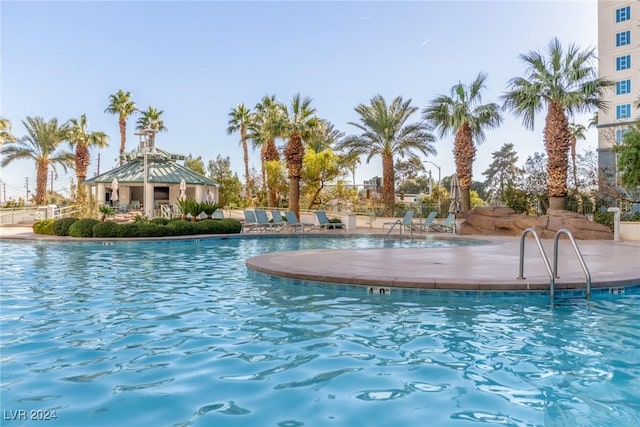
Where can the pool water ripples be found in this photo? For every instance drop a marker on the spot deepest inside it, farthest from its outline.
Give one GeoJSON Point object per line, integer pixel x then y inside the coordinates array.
{"type": "Point", "coordinates": [178, 334]}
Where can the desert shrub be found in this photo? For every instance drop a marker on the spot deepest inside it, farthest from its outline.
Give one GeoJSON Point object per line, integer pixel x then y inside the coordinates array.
{"type": "Point", "coordinates": [160, 221]}
{"type": "Point", "coordinates": [61, 226]}
{"type": "Point", "coordinates": [44, 227]}
{"type": "Point", "coordinates": [105, 229]}
{"type": "Point", "coordinates": [83, 227]}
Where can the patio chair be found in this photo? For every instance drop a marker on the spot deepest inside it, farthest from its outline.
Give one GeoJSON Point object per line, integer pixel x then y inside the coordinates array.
{"type": "Point", "coordinates": [449, 225]}
{"type": "Point", "coordinates": [263, 220]}
{"type": "Point", "coordinates": [323, 221]}
{"type": "Point", "coordinates": [428, 221]}
{"type": "Point", "coordinates": [135, 205]}
{"type": "Point", "coordinates": [292, 221]}
{"type": "Point", "coordinates": [405, 223]}
{"type": "Point", "coordinates": [250, 221]}
{"type": "Point", "coordinates": [276, 217]}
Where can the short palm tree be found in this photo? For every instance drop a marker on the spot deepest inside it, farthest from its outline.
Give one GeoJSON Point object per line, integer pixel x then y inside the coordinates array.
{"type": "Point", "coordinates": [386, 133]}
{"type": "Point", "coordinates": [40, 144]}
{"type": "Point", "coordinates": [5, 132]}
{"type": "Point", "coordinates": [298, 123]}
{"type": "Point", "coordinates": [263, 132]}
{"type": "Point", "coordinates": [150, 121]}
{"type": "Point", "coordinates": [563, 83]}
{"type": "Point", "coordinates": [463, 114]}
{"type": "Point", "coordinates": [240, 118]}
{"type": "Point", "coordinates": [122, 105]}
{"type": "Point", "coordinates": [83, 140]}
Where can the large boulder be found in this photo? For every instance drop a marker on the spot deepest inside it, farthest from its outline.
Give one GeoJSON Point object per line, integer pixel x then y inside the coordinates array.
{"type": "Point", "coordinates": [501, 221]}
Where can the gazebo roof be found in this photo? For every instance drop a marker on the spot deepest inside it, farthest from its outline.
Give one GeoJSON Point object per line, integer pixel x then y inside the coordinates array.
{"type": "Point", "coordinates": [161, 169]}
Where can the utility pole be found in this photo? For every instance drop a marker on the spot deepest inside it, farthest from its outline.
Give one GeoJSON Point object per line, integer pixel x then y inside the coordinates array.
{"type": "Point", "coordinates": [4, 190]}
{"type": "Point", "coordinates": [98, 172]}
{"type": "Point", "coordinates": [26, 180]}
{"type": "Point", "coordinates": [51, 191]}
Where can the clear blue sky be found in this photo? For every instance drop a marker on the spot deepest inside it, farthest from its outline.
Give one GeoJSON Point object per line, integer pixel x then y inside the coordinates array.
{"type": "Point", "coordinates": [197, 60]}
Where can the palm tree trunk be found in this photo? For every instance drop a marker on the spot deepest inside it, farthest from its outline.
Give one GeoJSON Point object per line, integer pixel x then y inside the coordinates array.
{"type": "Point", "coordinates": [464, 152]}
{"type": "Point", "coordinates": [42, 169]}
{"type": "Point", "coordinates": [122, 122]}
{"type": "Point", "coordinates": [271, 154]}
{"type": "Point", "coordinates": [245, 154]}
{"type": "Point", "coordinates": [294, 153]}
{"type": "Point", "coordinates": [388, 190]}
{"type": "Point", "coordinates": [556, 142]}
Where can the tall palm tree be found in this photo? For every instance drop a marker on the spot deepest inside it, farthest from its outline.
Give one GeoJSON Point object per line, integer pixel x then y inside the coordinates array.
{"type": "Point", "coordinates": [240, 118]}
{"type": "Point", "coordinates": [324, 137]}
{"type": "Point", "coordinates": [263, 133]}
{"type": "Point", "coordinates": [40, 144]}
{"type": "Point", "coordinates": [386, 133]}
{"type": "Point", "coordinates": [5, 132]}
{"type": "Point", "coordinates": [298, 123]}
{"type": "Point", "coordinates": [122, 105]}
{"type": "Point", "coordinates": [463, 114]}
{"type": "Point", "coordinates": [80, 138]}
{"type": "Point", "coordinates": [150, 121]}
{"type": "Point", "coordinates": [564, 83]}
{"type": "Point", "coordinates": [577, 131]}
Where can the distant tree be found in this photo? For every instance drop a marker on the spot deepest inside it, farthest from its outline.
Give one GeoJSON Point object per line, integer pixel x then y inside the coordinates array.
{"type": "Point", "coordinates": [5, 132]}
{"type": "Point", "coordinates": [122, 105]}
{"type": "Point", "coordinates": [229, 185]}
{"type": "Point", "coordinates": [318, 170]}
{"type": "Point", "coordinates": [240, 119]}
{"type": "Point", "coordinates": [386, 133]}
{"type": "Point", "coordinates": [536, 179]}
{"type": "Point", "coordinates": [83, 140]}
{"type": "Point", "coordinates": [502, 173]}
{"type": "Point", "coordinates": [41, 144]}
{"type": "Point", "coordinates": [151, 120]}
{"type": "Point", "coordinates": [577, 131]}
{"type": "Point", "coordinates": [587, 169]}
{"type": "Point", "coordinates": [408, 169]}
{"type": "Point", "coordinates": [463, 114]}
{"type": "Point", "coordinates": [196, 164]}
{"type": "Point", "coordinates": [628, 152]}
{"type": "Point", "coordinates": [563, 83]}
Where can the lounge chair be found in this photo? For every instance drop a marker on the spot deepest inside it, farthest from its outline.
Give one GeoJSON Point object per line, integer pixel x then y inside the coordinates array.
{"type": "Point", "coordinates": [449, 225]}
{"type": "Point", "coordinates": [292, 221]}
{"type": "Point", "coordinates": [250, 221]}
{"type": "Point", "coordinates": [405, 223]}
{"type": "Point", "coordinates": [428, 221]}
{"type": "Point", "coordinates": [323, 221]}
{"type": "Point", "coordinates": [263, 220]}
{"type": "Point", "coordinates": [276, 218]}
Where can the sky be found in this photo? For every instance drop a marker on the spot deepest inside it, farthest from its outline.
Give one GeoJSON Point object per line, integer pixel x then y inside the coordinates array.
{"type": "Point", "coordinates": [197, 60]}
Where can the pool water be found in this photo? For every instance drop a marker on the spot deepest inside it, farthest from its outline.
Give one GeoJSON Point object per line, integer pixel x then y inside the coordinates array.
{"type": "Point", "coordinates": [179, 334]}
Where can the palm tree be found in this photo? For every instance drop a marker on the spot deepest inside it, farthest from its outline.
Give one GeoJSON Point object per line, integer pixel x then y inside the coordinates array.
{"type": "Point", "coordinates": [83, 140]}
{"type": "Point", "coordinates": [150, 121]}
{"type": "Point", "coordinates": [463, 114]}
{"type": "Point", "coordinates": [298, 123]}
{"type": "Point", "coordinates": [324, 137]}
{"type": "Point", "coordinates": [386, 133]}
{"type": "Point", "coordinates": [5, 132]}
{"type": "Point", "coordinates": [122, 105]}
{"type": "Point", "coordinates": [577, 131]}
{"type": "Point", "coordinates": [564, 83]}
{"type": "Point", "coordinates": [263, 132]}
{"type": "Point", "coordinates": [41, 144]}
{"type": "Point", "coordinates": [239, 120]}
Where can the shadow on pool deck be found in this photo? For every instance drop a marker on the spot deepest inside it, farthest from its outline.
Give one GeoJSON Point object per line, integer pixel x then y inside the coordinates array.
{"type": "Point", "coordinates": [489, 267]}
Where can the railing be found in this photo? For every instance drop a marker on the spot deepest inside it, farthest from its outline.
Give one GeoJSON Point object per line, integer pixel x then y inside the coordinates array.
{"type": "Point", "coordinates": [553, 273]}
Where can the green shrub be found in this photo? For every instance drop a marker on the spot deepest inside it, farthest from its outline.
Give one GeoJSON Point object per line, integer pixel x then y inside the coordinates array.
{"type": "Point", "coordinates": [182, 228]}
{"type": "Point", "coordinates": [338, 220]}
{"type": "Point", "coordinates": [44, 227]}
{"type": "Point", "coordinates": [160, 221]}
{"type": "Point", "coordinates": [629, 217]}
{"type": "Point", "coordinates": [603, 217]}
{"type": "Point", "coordinates": [147, 229]}
{"type": "Point", "coordinates": [83, 227]}
{"type": "Point", "coordinates": [105, 229]}
{"type": "Point", "coordinates": [127, 230]}
{"type": "Point", "coordinates": [61, 226]}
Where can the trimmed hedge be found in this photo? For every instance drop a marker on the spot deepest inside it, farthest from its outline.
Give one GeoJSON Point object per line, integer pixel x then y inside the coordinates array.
{"type": "Point", "coordinates": [83, 227]}
{"type": "Point", "coordinates": [44, 227]}
{"type": "Point", "coordinates": [105, 229]}
{"type": "Point", "coordinates": [61, 226]}
{"type": "Point", "coordinates": [160, 220]}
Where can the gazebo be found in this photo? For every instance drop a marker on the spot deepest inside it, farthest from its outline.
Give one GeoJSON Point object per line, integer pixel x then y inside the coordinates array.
{"type": "Point", "coordinates": [159, 186]}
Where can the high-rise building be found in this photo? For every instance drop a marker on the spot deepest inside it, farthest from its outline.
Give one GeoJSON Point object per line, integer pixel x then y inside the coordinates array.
{"type": "Point", "coordinates": [619, 61]}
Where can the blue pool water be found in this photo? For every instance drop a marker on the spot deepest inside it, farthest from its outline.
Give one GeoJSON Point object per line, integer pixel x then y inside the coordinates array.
{"type": "Point", "coordinates": [179, 334]}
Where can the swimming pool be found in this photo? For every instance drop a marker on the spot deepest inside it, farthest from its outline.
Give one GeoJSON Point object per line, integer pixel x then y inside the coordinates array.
{"type": "Point", "coordinates": [178, 333]}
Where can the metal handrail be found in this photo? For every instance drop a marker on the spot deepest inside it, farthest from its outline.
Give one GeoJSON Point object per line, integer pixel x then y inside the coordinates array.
{"type": "Point", "coordinates": [578, 253]}
{"type": "Point", "coordinates": [401, 224]}
{"type": "Point", "coordinates": [545, 259]}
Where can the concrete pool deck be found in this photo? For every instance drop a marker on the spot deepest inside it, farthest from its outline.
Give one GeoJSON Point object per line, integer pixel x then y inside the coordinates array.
{"type": "Point", "coordinates": [490, 267]}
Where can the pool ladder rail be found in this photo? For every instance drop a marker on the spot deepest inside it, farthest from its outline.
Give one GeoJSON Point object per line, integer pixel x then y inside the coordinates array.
{"type": "Point", "coordinates": [553, 272]}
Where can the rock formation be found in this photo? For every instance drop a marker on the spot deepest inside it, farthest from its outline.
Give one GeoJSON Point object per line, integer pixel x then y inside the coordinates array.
{"type": "Point", "coordinates": [500, 221]}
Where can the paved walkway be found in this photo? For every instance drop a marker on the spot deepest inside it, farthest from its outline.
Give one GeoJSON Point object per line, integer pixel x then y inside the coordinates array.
{"type": "Point", "coordinates": [489, 267]}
